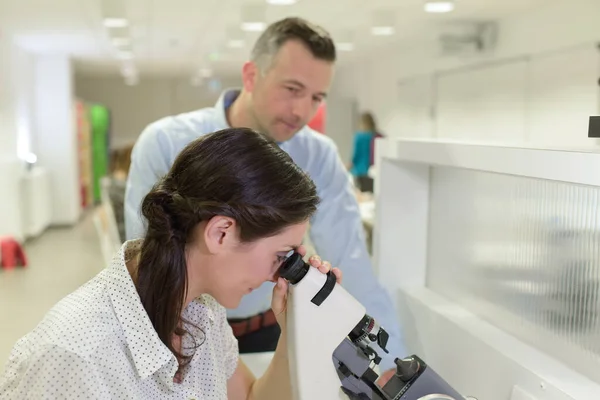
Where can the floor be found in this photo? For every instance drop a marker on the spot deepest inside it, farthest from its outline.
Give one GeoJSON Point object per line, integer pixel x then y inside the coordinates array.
{"type": "Point", "coordinates": [60, 261]}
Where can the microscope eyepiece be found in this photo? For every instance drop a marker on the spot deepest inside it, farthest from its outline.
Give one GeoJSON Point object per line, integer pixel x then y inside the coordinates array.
{"type": "Point", "coordinates": [294, 268]}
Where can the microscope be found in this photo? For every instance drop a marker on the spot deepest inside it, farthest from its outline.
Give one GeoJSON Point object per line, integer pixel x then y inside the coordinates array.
{"type": "Point", "coordinates": [330, 339]}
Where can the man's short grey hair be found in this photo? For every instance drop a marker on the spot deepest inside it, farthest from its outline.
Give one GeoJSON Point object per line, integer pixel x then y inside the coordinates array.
{"type": "Point", "coordinates": [316, 39]}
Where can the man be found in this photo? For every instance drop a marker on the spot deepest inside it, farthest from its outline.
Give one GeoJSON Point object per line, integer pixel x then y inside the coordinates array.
{"type": "Point", "coordinates": [284, 83]}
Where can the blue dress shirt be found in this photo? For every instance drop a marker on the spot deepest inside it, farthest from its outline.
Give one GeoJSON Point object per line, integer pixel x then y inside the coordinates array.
{"type": "Point", "coordinates": [335, 230]}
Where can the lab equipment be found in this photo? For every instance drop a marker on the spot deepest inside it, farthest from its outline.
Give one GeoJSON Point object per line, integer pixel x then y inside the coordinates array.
{"type": "Point", "coordinates": [331, 345]}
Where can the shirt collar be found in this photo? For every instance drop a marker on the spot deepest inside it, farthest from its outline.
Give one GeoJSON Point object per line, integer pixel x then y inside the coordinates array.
{"type": "Point", "coordinates": [225, 100]}
{"type": "Point", "coordinates": [149, 353]}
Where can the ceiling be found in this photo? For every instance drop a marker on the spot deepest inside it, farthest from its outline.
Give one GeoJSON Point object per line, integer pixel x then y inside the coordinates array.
{"type": "Point", "coordinates": [180, 37]}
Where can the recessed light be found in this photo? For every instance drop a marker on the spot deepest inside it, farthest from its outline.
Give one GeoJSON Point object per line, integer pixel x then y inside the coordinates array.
{"type": "Point", "coordinates": [344, 46]}
{"type": "Point", "coordinates": [439, 6]}
{"type": "Point", "coordinates": [235, 44]}
{"type": "Point", "coordinates": [115, 22]}
{"type": "Point", "coordinates": [282, 2]}
{"type": "Point", "coordinates": [253, 26]}
{"type": "Point", "coordinates": [383, 30]}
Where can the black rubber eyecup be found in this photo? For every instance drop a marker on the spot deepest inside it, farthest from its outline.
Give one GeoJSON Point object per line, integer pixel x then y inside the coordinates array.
{"type": "Point", "coordinates": [293, 269]}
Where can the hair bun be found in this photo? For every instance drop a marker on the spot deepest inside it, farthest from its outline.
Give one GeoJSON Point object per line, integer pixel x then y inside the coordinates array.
{"type": "Point", "coordinates": [157, 208]}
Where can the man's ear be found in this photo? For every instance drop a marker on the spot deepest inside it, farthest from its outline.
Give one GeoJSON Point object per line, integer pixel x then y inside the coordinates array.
{"type": "Point", "coordinates": [220, 234]}
{"type": "Point", "coordinates": [249, 75]}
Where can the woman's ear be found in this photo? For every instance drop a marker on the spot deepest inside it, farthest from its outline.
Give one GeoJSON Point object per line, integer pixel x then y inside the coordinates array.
{"type": "Point", "coordinates": [220, 234]}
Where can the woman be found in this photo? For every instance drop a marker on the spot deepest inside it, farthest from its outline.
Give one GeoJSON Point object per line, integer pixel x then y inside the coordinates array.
{"type": "Point", "coordinates": [153, 324]}
{"type": "Point", "coordinates": [363, 151]}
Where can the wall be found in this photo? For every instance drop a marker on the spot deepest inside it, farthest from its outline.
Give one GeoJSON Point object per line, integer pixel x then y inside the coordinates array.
{"type": "Point", "coordinates": [56, 139]}
{"type": "Point", "coordinates": [544, 66]}
{"type": "Point", "coordinates": [16, 98]}
{"type": "Point", "coordinates": [16, 129]}
{"type": "Point", "coordinates": [134, 107]}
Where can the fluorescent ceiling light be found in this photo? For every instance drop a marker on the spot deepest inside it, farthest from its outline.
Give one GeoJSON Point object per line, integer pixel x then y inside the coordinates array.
{"type": "Point", "coordinates": [253, 26]}
{"type": "Point", "coordinates": [282, 2]}
{"type": "Point", "coordinates": [235, 44]}
{"type": "Point", "coordinates": [383, 30]}
{"type": "Point", "coordinates": [116, 22]}
{"type": "Point", "coordinates": [344, 46]}
{"type": "Point", "coordinates": [439, 6]}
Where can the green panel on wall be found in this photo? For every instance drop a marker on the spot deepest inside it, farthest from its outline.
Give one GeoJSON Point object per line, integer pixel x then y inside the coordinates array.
{"type": "Point", "coordinates": [100, 122]}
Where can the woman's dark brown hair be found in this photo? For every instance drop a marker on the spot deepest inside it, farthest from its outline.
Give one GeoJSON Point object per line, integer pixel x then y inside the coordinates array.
{"type": "Point", "coordinates": [236, 173]}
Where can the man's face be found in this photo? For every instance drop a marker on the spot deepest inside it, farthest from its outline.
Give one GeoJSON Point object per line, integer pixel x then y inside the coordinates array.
{"type": "Point", "coordinates": [287, 96]}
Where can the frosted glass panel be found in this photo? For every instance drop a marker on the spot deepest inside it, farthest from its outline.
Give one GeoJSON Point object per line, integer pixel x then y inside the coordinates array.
{"type": "Point", "coordinates": [524, 255]}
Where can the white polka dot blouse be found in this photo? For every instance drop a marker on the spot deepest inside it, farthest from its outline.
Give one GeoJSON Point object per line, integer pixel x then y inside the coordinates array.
{"type": "Point", "coordinates": [99, 343]}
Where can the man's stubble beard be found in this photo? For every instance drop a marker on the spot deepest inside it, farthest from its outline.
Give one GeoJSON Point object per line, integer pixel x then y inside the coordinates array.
{"type": "Point", "coordinates": [256, 122]}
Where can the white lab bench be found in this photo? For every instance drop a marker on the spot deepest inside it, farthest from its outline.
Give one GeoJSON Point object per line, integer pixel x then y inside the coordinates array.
{"type": "Point", "coordinates": [257, 362]}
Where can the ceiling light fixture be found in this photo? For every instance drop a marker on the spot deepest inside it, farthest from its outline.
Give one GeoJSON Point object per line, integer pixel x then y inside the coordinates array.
{"type": "Point", "coordinates": [254, 26]}
{"type": "Point", "coordinates": [439, 6]}
{"type": "Point", "coordinates": [235, 44]}
{"type": "Point", "coordinates": [344, 40]}
{"type": "Point", "coordinates": [383, 30]}
{"type": "Point", "coordinates": [282, 2]}
{"type": "Point", "coordinates": [114, 13]}
{"type": "Point", "coordinates": [115, 22]}
{"type": "Point", "coordinates": [253, 18]}
{"type": "Point", "coordinates": [235, 37]}
{"type": "Point", "coordinates": [344, 46]}
{"type": "Point", "coordinates": [383, 23]}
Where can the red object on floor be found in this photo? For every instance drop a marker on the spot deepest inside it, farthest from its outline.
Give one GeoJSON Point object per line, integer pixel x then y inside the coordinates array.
{"type": "Point", "coordinates": [11, 253]}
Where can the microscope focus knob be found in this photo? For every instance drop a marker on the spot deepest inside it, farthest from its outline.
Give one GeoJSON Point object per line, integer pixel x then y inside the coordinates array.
{"type": "Point", "coordinates": [407, 368]}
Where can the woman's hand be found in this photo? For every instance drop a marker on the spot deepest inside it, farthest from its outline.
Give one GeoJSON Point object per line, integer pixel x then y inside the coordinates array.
{"type": "Point", "coordinates": [280, 291]}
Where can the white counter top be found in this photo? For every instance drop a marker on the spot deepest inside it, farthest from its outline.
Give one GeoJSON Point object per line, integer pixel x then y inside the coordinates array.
{"type": "Point", "coordinates": [257, 362]}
